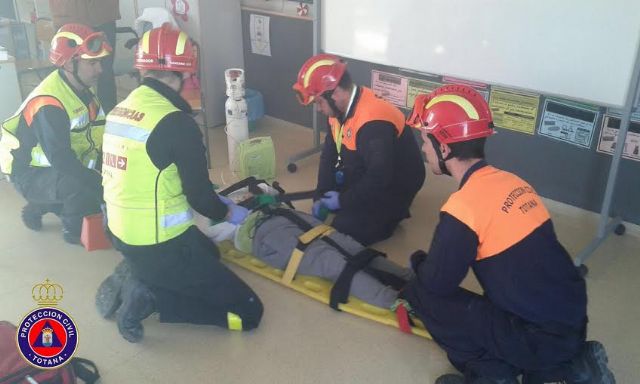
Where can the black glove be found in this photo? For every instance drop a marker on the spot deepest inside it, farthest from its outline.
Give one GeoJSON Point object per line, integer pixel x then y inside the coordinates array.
{"type": "Point", "coordinates": [416, 258]}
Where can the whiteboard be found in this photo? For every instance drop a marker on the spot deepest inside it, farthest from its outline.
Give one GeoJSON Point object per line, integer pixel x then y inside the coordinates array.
{"type": "Point", "coordinates": [581, 49]}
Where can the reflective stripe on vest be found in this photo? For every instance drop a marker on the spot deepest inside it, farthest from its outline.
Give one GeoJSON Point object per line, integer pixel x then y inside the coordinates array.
{"type": "Point", "coordinates": [145, 205]}
{"type": "Point", "coordinates": [86, 124]}
{"type": "Point", "coordinates": [127, 131]}
{"type": "Point", "coordinates": [501, 208]}
{"type": "Point", "coordinates": [40, 158]}
{"type": "Point", "coordinates": [369, 107]}
{"type": "Point", "coordinates": [179, 218]}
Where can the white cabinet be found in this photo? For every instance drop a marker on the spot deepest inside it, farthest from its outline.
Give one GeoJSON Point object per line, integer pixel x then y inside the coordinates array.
{"type": "Point", "coordinates": [10, 97]}
{"type": "Point", "coordinates": [216, 26]}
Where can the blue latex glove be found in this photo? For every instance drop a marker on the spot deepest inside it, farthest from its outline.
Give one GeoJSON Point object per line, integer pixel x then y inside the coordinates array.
{"type": "Point", "coordinates": [225, 200]}
{"type": "Point", "coordinates": [331, 200]}
{"type": "Point", "coordinates": [319, 211]}
{"type": "Point", "coordinates": [236, 214]}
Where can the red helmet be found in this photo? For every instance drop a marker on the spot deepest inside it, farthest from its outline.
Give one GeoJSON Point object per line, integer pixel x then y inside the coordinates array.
{"type": "Point", "coordinates": [319, 74]}
{"type": "Point", "coordinates": [452, 113]}
{"type": "Point", "coordinates": [77, 41]}
{"type": "Point", "coordinates": [166, 49]}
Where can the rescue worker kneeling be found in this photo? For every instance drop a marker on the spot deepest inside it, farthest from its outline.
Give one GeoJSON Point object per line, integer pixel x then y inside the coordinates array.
{"type": "Point", "coordinates": [154, 173]}
{"type": "Point", "coordinates": [370, 167]}
{"type": "Point", "coordinates": [51, 147]}
{"type": "Point", "coordinates": [532, 318]}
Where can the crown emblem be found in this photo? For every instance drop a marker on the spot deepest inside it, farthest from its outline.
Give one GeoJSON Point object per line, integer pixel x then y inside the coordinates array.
{"type": "Point", "coordinates": [47, 293]}
{"type": "Point", "coordinates": [47, 337]}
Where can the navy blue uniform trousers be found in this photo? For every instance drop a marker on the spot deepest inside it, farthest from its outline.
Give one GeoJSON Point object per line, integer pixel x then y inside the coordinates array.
{"type": "Point", "coordinates": [483, 340]}
{"type": "Point", "coordinates": [190, 283]}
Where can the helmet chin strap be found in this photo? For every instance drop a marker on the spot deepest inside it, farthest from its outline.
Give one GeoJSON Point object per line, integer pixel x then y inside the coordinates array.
{"type": "Point", "coordinates": [441, 160]}
{"type": "Point", "coordinates": [332, 104]}
{"type": "Point", "coordinates": [77, 78]}
{"type": "Point", "coordinates": [181, 78]}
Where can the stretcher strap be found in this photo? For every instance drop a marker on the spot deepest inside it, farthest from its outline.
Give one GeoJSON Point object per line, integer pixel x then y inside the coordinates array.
{"type": "Point", "coordinates": [403, 319]}
{"type": "Point", "coordinates": [296, 255]}
{"type": "Point", "coordinates": [354, 263]}
{"type": "Point", "coordinates": [248, 182]}
{"type": "Point", "coordinates": [292, 266]}
{"type": "Point", "coordinates": [342, 286]}
{"type": "Point", "coordinates": [314, 233]}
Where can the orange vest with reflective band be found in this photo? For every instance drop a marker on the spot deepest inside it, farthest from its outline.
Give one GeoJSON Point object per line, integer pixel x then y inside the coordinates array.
{"type": "Point", "coordinates": [501, 208]}
{"type": "Point", "coordinates": [368, 108]}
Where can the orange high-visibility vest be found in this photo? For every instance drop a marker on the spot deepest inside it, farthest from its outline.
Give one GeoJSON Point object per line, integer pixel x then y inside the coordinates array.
{"type": "Point", "coordinates": [369, 107]}
{"type": "Point", "coordinates": [501, 208]}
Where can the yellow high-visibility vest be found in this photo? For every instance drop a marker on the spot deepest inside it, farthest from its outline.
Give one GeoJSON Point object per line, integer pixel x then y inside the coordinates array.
{"type": "Point", "coordinates": [145, 205]}
{"type": "Point", "coordinates": [86, 124]}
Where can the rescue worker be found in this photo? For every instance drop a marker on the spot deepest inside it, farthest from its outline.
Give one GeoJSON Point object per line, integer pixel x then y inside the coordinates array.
{"type": "Point", "coordinates": [101, 15]}
{"type": "Point", "coordinates": [51, 147]}
{"type": "Point", "coordinates": [532, 317]}
{"type": "Point", "coordinates": [155, 172]}
{"type": "Point", "coordinates": [370, 167]}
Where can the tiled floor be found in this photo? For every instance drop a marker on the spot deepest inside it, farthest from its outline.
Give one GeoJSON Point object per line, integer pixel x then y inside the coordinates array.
{"type": "Point", "coordinates": [299, 340]}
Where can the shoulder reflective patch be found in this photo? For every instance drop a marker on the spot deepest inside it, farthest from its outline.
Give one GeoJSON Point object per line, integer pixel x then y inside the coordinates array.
{"type": "Point", "coordinates": [36, 103]}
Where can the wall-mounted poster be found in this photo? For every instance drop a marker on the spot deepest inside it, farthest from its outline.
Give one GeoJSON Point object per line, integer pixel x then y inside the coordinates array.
{"type": "Point", "coordinates": [418, 86]}
{"type": "Point", "coordinates": [635, 112]}
{"type": "Point", "coordinates": [259, 32]}
{"type": "Point", "coordinates": [390, 87]}
{"type": "Point", "coordinates": [514, 110]}
{"type": "Point", "coordinates": [570, 122]}
{"type": "Point", "coordinates": [609, 137]}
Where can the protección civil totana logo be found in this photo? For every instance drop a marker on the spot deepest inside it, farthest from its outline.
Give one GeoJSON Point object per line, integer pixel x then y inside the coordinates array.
{"type": "Point", "coordinates": [47, 337]}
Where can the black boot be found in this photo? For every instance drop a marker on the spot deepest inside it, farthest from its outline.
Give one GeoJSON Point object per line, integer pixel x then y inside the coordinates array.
{"type": "Point", "coordinates": [451, 378]}
{"type": "Point", "coordinates": [108, 297]}
{"type": "Point", "coordinates": [71, 228]}
{"type": "Point", "coordinates": [138, 303]}
{"type": "Point", "coordinates": [70, 238]}
{"type": "Point", "coordinates": [32, 216]}
{"type": "Point", "coordinates": [590, 367]}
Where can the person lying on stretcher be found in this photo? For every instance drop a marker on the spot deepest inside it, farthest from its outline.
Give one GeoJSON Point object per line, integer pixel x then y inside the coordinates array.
{"type": "Point", "coordinates": [271, 234]}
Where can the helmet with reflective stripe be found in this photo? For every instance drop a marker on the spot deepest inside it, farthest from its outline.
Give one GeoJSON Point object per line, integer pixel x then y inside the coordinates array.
{"type": "Point", "coordinates": [452, 113]}
{"type": "Point", "coordinates": [319, 74]}
{"type": "Point", "coordinates": [77, 41]}
{"type": "Point", "coordinates": [166, 49]}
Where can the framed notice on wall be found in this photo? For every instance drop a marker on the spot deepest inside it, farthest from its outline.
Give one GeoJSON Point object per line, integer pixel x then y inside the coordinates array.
{"type": "Point", "coordinates": [390, 87]}
{"type": "Point", "coordinates": [514, 110]}
{"type": "Point", "coordinates": [609, 137]}
{"type": "Point", "coordinates": [569, 122]}
{"type": "Point", "coordinates": [416, 87]}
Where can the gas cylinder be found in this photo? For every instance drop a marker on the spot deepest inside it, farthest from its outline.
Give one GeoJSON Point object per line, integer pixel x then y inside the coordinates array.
{"type": "Point", "coordinates": [237, 127]}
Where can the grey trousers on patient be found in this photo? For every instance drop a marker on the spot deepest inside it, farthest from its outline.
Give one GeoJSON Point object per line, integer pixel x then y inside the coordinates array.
{"type": "Point", "coordinates": [276, 237]}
